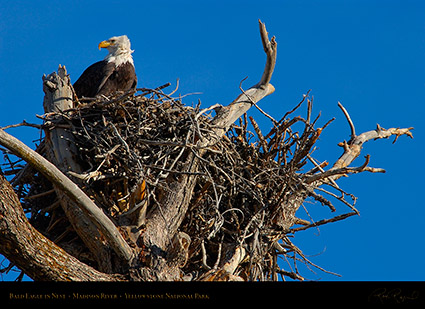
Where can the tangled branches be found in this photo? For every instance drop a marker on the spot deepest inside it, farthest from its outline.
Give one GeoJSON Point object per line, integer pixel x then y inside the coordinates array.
{"type": "Point", "coordinates": [249, 185]}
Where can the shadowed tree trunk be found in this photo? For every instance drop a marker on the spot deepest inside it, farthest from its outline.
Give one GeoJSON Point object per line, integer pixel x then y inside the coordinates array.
{"type": "Point", "coordinates": [36, 255]}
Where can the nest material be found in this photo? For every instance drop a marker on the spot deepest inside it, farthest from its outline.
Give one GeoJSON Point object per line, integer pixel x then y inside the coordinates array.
{"type": "Point", "coordinates": [249, 184]}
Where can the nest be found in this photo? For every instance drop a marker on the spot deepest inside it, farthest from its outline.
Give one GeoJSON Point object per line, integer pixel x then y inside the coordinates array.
{"type": "Point", "coordinates": [249, 184]}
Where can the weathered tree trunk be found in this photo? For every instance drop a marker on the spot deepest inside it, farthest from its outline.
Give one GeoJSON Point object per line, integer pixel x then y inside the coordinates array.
{"type": "Point", "coordinates": [38, 257]}
{"type": "Point", "coordinates": [62, 153]}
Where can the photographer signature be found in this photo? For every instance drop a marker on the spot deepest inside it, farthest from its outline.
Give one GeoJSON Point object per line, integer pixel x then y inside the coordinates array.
{"type": "Point", "coordinates": [393, 295]}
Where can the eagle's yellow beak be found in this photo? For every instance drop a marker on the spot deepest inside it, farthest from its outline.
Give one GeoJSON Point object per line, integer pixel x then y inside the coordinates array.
{"type": "Point", "coordinates": [104, 44]}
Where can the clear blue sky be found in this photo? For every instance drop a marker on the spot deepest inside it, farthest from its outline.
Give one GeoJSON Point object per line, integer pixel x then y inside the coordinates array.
{"type": "Point", "coordinates": [370, 55]}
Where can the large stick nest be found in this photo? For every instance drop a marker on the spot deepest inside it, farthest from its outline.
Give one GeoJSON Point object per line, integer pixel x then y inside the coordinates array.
{"type": "Point", "coordinates": [249, 184]}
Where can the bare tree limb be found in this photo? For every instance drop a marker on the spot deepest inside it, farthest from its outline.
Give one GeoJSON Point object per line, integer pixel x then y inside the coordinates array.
{"type": "Point", "coordinates": [345, 170]}
{"type": "Point", "coordinates": [229, 114]}
{"type": "Point", "coordinates": [350, 122]}
{"type": "Point", "coordinates": [353, 149]}
{"type": "Point", "coordinates": [270, 50]}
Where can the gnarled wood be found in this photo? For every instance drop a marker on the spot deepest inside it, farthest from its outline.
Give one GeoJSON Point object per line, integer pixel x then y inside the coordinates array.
{"type": "Point", "coordinates": [87, 217]}
{"type": "Point", "coordinates": [38, 257]}
{"type": "Point", "coordinates": [62, 153]}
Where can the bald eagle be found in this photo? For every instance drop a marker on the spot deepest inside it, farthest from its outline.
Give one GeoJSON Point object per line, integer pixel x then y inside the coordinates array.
{"type": "Point", "coordinates": [114, 73]}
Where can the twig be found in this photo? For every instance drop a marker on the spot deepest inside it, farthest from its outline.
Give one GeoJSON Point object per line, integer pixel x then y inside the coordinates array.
{"type": "Point", "coordinates": [350, 122]}
{"type": "Point", "coordinates": [305, 96]}
{"type": "Point", "coordinates": [345, 170]}
{"type": "Point", "coordinates": [204, 256]}
{"type": "Point", "coordinates": [324, 221]}
{"type": "Point", "coordinates": [175, 90]}
{"type": "Point", "coordinates": [341, 198]}
{"type": "Point", "coordinates": [255, 104]}
{"type": "Point", "coordinates": [213, 107]}
{"type": "Point", "coordinates": [31, 197]}
{"type": "Point", "coordinates": [23, 123]}
{"type": "Point", "coordinates": [122, 141]}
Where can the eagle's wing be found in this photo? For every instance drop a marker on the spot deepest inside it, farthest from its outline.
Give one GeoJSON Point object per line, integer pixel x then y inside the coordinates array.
{"type": "Point", "coordinates": [93, 79]}
{"type": "Point", "coordinates": [108, 69]}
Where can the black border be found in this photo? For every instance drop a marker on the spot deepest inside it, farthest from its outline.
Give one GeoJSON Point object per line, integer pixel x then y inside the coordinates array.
{"type": "Point", "coordinates": [254, 293]}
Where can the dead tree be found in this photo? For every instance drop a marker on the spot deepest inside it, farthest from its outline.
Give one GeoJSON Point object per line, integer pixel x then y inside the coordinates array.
{"type": "Point", "coordinates": [138, 186]}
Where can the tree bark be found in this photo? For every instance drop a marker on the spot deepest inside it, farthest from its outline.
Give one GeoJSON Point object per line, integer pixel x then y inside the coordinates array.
{"type": "Point", "coordinates": [62, 153]}
{"type": "Point", "coordinates": [38, 257]}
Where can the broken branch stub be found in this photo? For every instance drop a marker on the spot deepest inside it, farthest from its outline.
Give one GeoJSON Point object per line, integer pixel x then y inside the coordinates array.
{"type": "Point", "coordinates": [227, 115]}
{"type": "Point", "coordinates": [59, 98]}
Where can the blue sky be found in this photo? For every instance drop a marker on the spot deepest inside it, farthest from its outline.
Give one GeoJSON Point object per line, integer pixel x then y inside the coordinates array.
{"type": "Point", "coordinates": [369, 55]}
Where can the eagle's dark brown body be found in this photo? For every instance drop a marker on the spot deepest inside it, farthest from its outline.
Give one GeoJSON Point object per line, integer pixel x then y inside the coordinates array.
{"type": "Point", "coordinates": [104, 78]}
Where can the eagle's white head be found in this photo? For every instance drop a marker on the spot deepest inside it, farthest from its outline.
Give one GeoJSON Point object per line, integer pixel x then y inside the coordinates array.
{"type": "Point", "coordinates": [119, 50]}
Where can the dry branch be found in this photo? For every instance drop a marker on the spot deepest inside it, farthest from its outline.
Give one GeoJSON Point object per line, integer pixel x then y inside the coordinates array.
{"type": "Point", "coordinates": [226, 116]}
